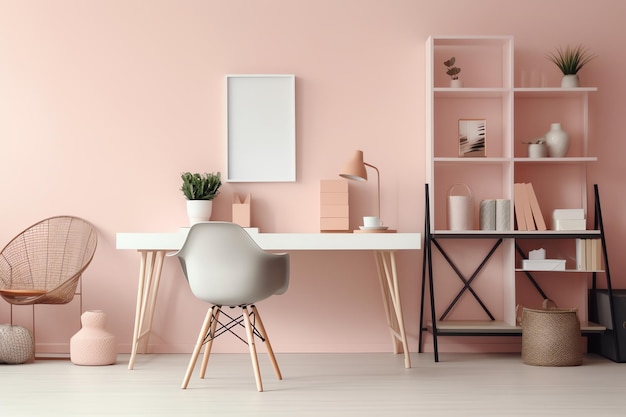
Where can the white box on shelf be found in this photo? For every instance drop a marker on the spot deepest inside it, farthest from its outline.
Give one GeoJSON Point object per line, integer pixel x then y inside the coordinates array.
{"type": "Point", "coordinates": [543, 264]}
{"type": "Point", "coordinates": [568, 214]}
{"type": "Point", "coordinates": [570, 224]}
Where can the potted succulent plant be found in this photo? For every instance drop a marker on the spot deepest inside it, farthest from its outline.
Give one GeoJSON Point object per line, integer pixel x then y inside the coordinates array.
{"type": "Point", "coordinates": [200, 190]}
{"type": "Point", "coordinates": [453, 72]}
{"type": "Point", "coordinates": [570, 60]}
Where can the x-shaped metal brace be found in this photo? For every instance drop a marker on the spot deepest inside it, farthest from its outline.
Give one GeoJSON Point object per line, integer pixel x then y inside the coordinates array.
{"type": "Point", "coordinates": [467, 281]}
{"type": "Point", "coordinates": [234, 322]}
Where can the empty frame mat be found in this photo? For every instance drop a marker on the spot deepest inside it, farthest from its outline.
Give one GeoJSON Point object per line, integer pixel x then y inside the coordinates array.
{"type": "Point", "coordinates": [261, 128]}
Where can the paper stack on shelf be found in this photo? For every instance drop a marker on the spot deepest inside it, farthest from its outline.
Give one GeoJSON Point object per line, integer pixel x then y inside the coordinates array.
{"type": "Point", "coordinates": [569, 219]}
{"type": "Point", "coordinates": [543, 264]}
{"type": "Point", "coordinates": [537, 262]}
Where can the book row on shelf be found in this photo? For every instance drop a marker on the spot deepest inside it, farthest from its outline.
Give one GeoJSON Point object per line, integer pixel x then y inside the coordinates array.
{"type": "Point", "coordinates": [527, 211]}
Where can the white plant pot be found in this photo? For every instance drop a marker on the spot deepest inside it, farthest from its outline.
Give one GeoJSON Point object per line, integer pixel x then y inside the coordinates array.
{"type": "Point", "coordinates": [456, 83]}
{"type": "Point", "coordinates": [537, 150]}
{"type": "Point", "coordinates": [199, 211]}
{"type": "Point", "coordinates": [570, 81]}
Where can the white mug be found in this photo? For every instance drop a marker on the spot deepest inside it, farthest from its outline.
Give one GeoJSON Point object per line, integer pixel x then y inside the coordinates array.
{"type": "Point", "coordinates": [371, 221]}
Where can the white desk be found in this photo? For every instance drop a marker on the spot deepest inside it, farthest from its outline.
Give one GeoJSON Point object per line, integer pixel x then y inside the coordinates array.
{"type": "Point", "coordinates": [154, 246]}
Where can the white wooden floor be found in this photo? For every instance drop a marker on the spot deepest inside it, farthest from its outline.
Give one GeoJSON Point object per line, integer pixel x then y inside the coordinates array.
{"type": "Point", "coordinates": [317, 385]}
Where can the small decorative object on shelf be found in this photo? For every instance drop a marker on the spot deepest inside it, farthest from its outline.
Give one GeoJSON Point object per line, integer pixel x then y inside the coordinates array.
{"type": "Point", "coordinates": [494, 214]}
{"type": "Point", "coordinates": [570, 60]}
{"type": "Point", "coordinates": [472, 137]}
{"type": "Point", "coordinates": [557, 141]}
{"type": "Point", "coordinates": [460, 208]}
{"type": "Point", "coordinates": [537, 148]}
{"type": "Point", "coordinates": [453, 72]}
{"type": "Point", "coordinates": [200, 190]}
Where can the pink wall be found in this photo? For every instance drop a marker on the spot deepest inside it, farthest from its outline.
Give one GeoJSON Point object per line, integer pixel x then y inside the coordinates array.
{"type": "Point", "coordinates": [104, 103]}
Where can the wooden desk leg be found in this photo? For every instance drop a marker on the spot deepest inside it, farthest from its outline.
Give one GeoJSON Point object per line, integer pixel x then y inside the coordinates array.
{"type": "Point", "coordinates": [388, 277]}
{"type": "Point", "coordinates": [147, 289]}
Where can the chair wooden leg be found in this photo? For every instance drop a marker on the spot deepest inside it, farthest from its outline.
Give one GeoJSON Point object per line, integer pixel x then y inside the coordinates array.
{"type": "Point", "coordinates": [253, 356]}
{"type": "Point", "coordinates": [196, 350]}
{"type": "Point", "coordinates": [209, 343]}
{"type": "Point", "coordinates": [268, 345]}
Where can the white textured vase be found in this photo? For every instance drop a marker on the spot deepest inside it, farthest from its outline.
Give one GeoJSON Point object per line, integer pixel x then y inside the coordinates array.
{"type": "Point", "coordinates": [557, 141]}
{"type": "Point", "coordinates": [456, 83]}
{"type": "Point", "coordinates": [570, 81]}
{"type": "Point", "coordinates": [199, 211]}
{"type": "Point", "coordinates": [93, 344]}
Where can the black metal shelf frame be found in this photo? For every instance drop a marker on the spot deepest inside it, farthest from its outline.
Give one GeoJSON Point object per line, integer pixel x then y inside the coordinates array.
{"type": "Point", "coordinates": [431, 240]}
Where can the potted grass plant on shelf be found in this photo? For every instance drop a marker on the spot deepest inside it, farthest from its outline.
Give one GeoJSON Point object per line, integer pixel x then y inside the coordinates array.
{"type": "Point", "coordinates": [570, 60]}
{"type": "Point", "coordinates": [200, 190]}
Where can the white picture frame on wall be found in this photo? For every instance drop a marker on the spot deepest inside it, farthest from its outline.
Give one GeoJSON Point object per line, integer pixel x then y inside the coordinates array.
{"type": "Point", "coordinates": [261, 128]}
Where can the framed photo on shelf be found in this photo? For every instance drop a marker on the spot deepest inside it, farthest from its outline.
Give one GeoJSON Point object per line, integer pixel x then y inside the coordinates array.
{"type": "Point", "coordinates": [472, 137]}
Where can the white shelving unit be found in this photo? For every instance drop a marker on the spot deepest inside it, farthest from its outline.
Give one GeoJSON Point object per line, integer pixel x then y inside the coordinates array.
{"type": "Point", "coordinates": [513, 115]}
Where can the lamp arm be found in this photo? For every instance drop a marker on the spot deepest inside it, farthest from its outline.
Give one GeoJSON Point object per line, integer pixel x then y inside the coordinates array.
{"type": "Point", "coordinates": [378, 178]}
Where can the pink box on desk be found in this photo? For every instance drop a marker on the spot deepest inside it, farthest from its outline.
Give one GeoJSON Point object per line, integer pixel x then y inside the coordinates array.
{"type": "Point", "coordinates": [330, 224]}
{"type": "Point", "coordinates": [334, 186]}
{"type": "Point", "coordinates": [334, 208]}
{"type": "Point", "coordinates": [337, 210]}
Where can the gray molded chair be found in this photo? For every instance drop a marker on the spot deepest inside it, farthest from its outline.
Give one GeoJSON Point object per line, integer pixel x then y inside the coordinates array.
{"type": "Point", "coordinates": [226, 268]}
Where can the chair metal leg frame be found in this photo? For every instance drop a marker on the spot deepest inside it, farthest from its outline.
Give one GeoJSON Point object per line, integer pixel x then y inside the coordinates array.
{"type": "Point", "coordinates": [390, 289]}
{"type": "Point", "coordinates": [210, 331]}
{"type": "Point", "coordinates": [33, 324]}
{"type": "Point", "coordinates": [147, 289]}
{"type": "Point", "coordinates": [33, 333]}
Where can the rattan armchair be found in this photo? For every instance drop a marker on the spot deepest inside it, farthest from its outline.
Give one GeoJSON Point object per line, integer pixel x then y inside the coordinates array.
{"type": "Point", "coordinates": [44, 263]}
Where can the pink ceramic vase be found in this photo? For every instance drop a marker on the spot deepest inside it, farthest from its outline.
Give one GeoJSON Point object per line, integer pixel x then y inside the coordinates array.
{"type": "Point", "coordinates": [93, 344]}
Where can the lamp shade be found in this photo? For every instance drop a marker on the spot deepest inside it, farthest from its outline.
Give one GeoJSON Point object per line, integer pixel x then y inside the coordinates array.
{"type": "Point", "coordinates": [355, 168]}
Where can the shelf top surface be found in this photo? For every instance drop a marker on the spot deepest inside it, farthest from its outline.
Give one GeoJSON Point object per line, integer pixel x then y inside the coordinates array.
{"type": "Point", "coordinates": [523, 159]}
{"type": "Point", "coordinates": [496, 327]}
{"type": "Point", "coordinates": [518, 92]}
{"type": "Point", "coordinates": [517, 234]}
{"type": "Point", "coordinates": [445, 40]}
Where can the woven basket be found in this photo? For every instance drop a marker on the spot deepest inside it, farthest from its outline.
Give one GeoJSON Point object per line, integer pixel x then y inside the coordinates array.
{"type": "Point", "coordinates": [551, 337]}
